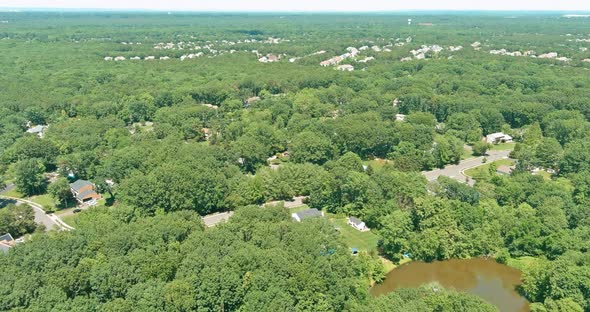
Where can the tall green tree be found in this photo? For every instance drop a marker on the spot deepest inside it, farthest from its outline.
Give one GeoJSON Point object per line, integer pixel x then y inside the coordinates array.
{"type": "Point", "coordinates": [29, 177]}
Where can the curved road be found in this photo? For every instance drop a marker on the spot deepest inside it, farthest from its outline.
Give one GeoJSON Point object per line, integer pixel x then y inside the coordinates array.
{"type": "Point", "coordinates": [456, 171]}
{"type": "Point", "coordinates": [50, 221]}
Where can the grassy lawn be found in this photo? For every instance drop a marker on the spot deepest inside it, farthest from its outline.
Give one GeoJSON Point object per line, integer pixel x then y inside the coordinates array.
{"type": "Point", "coordinates": [297, 209]}
{"type": "Point", "coordinates": [483, 171]}
{"type": "Point", "coordinates": [523, 262]}
{"type": "Point", "coordinates": [546, 175]}
{"type": "Point", "coordinates": [71, 219]}
{"type": "Point", "coordinates": [503, 147]}
{"type": "Point", "coordinates": [354, 238]}
{"type": "Point", "coordinates": [44, 200]}
{"type": "Point", "coordinates": [467, 153]}
{"type": "Point", "coordinates": [377, 164]}
{"type": "Point", "coordinates": [13, 193]}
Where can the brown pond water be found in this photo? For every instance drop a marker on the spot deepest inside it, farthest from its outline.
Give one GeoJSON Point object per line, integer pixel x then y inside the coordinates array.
{"type": "Point", "coordinates": [487, 279]}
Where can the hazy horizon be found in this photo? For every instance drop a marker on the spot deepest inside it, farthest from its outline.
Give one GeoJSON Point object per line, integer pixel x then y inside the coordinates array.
{"type": "Point", "coordinates": [297, 6]}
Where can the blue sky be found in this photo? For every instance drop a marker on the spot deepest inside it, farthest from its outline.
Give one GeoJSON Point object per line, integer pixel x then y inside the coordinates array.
{"type": "Point", "coordinates": [306, 5]}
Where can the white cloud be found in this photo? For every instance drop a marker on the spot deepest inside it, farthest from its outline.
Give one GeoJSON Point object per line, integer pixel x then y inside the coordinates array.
{"type": "Point", "coordinates": [306, 5]}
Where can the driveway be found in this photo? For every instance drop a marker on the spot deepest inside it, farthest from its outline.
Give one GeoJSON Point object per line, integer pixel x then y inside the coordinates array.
{"type": "Point", "coordinates": [456, 171]}
{"type": "Point", "coordinates": [294, 203]}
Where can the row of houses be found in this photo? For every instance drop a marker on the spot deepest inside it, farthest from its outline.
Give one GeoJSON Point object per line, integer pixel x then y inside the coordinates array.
{"type": "Point", "coordinates": [135, 58]}
{"type": "Point", "coordinates": [531, 53]}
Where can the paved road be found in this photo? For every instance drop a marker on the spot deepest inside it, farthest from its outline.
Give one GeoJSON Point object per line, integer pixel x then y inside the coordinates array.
{"type": "Point", "coordinates": [9, 187]}
{"type": "Point", "coordinates": [296, 202]}
{"type": "Point", "coordinates": [456, 171]}
{"type": "Point", "coordinates": [50, 221]}
{"type": "Point", "coordinates": [214, 219]}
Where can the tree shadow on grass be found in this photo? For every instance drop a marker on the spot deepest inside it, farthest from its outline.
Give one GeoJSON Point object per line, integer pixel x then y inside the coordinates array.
{"type": "Point", "coordinates": [5, 202]}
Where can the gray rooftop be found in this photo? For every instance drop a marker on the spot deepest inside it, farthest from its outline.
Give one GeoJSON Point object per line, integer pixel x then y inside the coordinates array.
{"type": "Point", "coordinates": [309, 213]}
{"type": "Point", "coordinates": [84, 194]}
{"type": "Point", "coordinates": [76, 186]}
{"type": "Point", "coordinates": [6, 237]}
{"type": "Point", "coordinates": [355, 220]}
{"type": "Point", "coordinates": [37, 129]}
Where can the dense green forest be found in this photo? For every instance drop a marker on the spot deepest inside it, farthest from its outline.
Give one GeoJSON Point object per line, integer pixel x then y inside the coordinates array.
{"type": "Point", "coordinates": [235, 111]}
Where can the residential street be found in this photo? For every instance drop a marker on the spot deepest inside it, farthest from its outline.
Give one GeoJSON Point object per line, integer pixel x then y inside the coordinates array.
{"type": "Point", "coordinates": [214, 219]}
{"type": "Point", "coordinates": [50, 221]}
{"type": "Point", "coordinates": [456, 171]}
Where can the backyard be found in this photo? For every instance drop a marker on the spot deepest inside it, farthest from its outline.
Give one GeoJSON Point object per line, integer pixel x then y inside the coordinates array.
{"type": "Point", "coordinates": [364, 241]}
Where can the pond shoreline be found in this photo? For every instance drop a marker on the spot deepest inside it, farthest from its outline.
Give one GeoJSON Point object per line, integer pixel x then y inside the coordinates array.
{"type": "Point", "coordinates": [482, 277]}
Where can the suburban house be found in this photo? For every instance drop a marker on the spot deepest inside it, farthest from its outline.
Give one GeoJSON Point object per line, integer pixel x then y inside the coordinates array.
{"type": "Point", "coordinates": [499, 137]}
{"type": "Point", "coordinates": [346, 67]}
{"type": "Point", "coordinates": [252, 100]}
{"type": "Point", "coordinates": [504, 170]}
{"type": "Point", "coordinates": [6, 242]}
{"type": "Point", "coordinates": [39, 130]}
{"type": "Point", "coordinates": [84, 192]}
{"type": "Point", "coordinates": [357, 224]}
{"type": "Point", "coordinates": [307, 214]}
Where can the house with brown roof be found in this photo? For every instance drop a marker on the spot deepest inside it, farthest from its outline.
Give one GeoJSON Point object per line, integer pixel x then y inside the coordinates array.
{"type": "Point", "coordinates": [85, 192]}
{"type": "Point", "coordinates": [6, 242]}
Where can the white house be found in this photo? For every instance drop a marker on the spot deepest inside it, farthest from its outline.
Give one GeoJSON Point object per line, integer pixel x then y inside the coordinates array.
{"type": "Point", "coordinates": [498, 137]}
{"type": "Point", "coordinates": [358, 224]}
{"type": "Point", "coordinates": [400, 117]}
{"type": "Point", "coordinates": [307, 214]}
{"type": "Point", "coordinates": [345, 67]}
{"type": "Point", "coordinates": [39, 130]}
